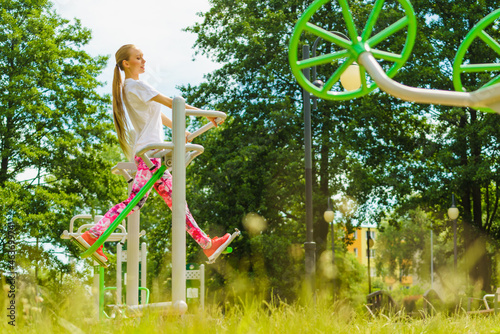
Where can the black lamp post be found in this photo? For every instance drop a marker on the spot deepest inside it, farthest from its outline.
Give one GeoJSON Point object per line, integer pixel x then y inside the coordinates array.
{"type": "Point", "coordinates": [309, 245]}
{"type": "Point", "coordinates": [453, 215]}
{"type": "Point", "coordinates": [369, 243]}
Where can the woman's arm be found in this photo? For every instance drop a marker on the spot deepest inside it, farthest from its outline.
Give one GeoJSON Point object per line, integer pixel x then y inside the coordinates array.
{"type": "Point", "coordinates": [167, 101]}
{"type": "Point", "coordinates": [166, 121]}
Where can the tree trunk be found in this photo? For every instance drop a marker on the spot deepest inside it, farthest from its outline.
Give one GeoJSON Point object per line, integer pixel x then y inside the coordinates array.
{"type": "Point", "coordinates": [476, 257]}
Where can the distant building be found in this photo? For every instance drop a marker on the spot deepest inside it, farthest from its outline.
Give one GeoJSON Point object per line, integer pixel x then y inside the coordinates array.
{"type": "Point", "coordinates": [359, 248]}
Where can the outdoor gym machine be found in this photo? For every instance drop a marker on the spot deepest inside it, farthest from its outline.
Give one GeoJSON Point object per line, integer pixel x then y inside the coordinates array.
{"type": "Point", "coordinates": [175, 155]}
{"type": "Point", "coordinates": [98, 289]}
{"type": "Point", "coordinates": [361, 49]}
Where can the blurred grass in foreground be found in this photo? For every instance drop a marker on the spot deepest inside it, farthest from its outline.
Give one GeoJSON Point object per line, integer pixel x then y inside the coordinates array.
{"type": "Point", "coordinates": [75, 313]}
{"type": "Point", "coordinates": [239, 308]}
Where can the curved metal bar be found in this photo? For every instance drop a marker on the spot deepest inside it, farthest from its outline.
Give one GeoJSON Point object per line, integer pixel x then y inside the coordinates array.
{"type": "Point", "coordinates": [113, 237]}
{"type": "Point", "coordinates": [487, 97]}
{"type": "Point", "coordinates": [206, 113]}
{"type": "Point", "coordinates": [71, 223]}
{"type": "Point", "coordinates": [191, 155]}
{"type": "Point", "coordinates": [219, 118]}
{"type": "Point", "coordinates": [155, 146]}
{"type": "Point", "coordinates": [166, 149]}
{"type": "Point", "coordinates": [121, 227]}
{"type": "Point", "coordinates": [143, 152]}
{"type": "Point", "coordinates": [122, 169]}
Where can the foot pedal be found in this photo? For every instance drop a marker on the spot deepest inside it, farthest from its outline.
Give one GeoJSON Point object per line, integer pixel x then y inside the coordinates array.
{"type": "Point", "coordinates": [224, 247]}
{"type": "Point", "coordinates": [81, 244]}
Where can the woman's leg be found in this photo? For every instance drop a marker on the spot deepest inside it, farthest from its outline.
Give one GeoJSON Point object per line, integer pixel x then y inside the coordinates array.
{"type": "Point", "coordinates": [164, 188]}
{"type": "Point", "coordinates": [141, 178]}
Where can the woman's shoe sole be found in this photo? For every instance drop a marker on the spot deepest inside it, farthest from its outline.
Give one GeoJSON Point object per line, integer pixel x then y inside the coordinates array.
{"type": "Point", "coordinates": [222, 248]}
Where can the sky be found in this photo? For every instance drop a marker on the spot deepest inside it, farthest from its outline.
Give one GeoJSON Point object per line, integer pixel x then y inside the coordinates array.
{"type": "Point", "coordinates": [155, 26]}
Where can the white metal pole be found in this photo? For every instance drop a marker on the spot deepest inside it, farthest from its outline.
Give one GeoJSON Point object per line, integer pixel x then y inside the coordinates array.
{"type": "Point", "coordinates": [133, 227]}
{"type": "Point", "coordinates": [95, 288]}
{"type": "Point", "coordinates": [202, 286]}
{"type": "Point", "coordinates": [432, 261]}
{"type": "Point", "coordinates": [179, 203]}
{"type": "Point", "coordinates": [144, 266]}
{"type": "Point", "coordinates": [119, 274]}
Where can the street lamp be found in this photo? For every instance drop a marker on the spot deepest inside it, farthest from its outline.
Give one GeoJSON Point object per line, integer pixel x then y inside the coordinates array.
{"type": "Point", "coordinates": [369, 243]}
{"type": "Point", "coordinates": [432, 259]}
{"type": "Point", "coordinates": [329, 216]}
{"type": "Point", "coordinates": [453, 215]}
{"type": "Point", "coordinates": [309, 245]}
{"type": "Point", "coordinates": [350, 78]}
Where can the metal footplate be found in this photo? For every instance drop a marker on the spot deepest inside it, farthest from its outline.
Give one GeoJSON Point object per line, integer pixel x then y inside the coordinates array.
{"type": "Point", "coordinates": [80, 242]}
{"type": "Point", "coordinates": [224, 246]}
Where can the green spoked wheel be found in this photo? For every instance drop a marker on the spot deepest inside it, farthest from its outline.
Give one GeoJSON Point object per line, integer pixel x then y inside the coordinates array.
{"type": "Point", "coordinates": [469, 75]}
{"type": "Point", "coordinates": [385, 26]}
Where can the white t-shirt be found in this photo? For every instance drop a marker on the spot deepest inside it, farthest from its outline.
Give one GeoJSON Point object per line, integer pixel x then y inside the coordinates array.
{"type": "Point", "coordinates": [144, 113]}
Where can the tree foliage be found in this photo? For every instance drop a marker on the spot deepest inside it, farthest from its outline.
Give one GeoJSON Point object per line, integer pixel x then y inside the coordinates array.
{"type": "Point", "coordinates": [403, 246]}
{"type": "Point", "coordinates": [376, 149]}
{"type": "Point", "coordinates": [53, 125]}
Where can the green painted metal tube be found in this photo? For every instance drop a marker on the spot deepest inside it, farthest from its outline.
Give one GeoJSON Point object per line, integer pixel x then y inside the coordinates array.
{"type": "Point", "coordinates": [147, 294]}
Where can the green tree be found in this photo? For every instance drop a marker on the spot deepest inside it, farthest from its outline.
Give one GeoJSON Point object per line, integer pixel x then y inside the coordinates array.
{"type": "Point", "coordinates": [52, 122]}
{"type": "Point", "coordinates": [376, 149]}
{"type": "Point", "coordinates": [255, 163]}
{"type": "Point", "coordinates": [462, 153]}
{"type": "Point", "coordinates": [402, 246]}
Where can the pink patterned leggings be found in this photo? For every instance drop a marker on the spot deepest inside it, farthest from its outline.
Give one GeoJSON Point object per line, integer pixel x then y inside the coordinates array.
{"type": "Point", "coordinates": [164, 187]}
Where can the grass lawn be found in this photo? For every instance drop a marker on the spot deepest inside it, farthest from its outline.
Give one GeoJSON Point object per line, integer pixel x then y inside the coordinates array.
{"type": "Point", "coordinates": [252, 317]}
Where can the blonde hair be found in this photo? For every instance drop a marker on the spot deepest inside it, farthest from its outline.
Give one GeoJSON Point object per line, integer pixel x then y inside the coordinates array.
{"type": "Point", "coordinates": [125, 135]}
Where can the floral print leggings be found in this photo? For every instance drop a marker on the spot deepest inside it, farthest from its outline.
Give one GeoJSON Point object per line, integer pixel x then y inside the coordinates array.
{"type": "Point", "coordinates": [164, 187]}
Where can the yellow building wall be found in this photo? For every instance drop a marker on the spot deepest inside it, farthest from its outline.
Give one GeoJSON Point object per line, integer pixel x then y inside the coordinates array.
{"type": "Point", "coordinates": [360, 244]}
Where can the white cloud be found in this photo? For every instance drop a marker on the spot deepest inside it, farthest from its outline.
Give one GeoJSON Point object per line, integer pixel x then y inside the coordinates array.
{"type": "Point", "coordinates": [153, 25]}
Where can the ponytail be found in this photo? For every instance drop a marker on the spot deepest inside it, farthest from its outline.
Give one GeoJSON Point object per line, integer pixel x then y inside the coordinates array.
{"type": "Point", "coordinates": [125, 135]}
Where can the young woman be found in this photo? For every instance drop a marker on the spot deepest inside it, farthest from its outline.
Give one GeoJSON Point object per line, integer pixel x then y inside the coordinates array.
{"type": "Point", "coordinates": [143, 104]}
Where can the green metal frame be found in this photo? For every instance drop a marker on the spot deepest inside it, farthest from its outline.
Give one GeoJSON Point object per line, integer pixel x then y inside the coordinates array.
{"type": "Point", "coordinates": [101, 290]}
{"type": "Point", "coordinates": [156, 176]}
{"type": "Point", "coordinates": [460, 67]}
{"type": "Point", "coordinates": [350, 49]}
